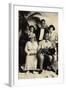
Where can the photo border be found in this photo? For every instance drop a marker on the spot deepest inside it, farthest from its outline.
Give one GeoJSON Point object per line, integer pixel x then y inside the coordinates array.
{"type": "Point", "coordinates": [14, 45]}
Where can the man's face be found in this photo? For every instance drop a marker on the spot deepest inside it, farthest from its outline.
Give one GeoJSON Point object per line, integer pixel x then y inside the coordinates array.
{"type": "Point", "coordinates": [27, 27]}
{"type": "Point", "coordinates": [43, 23]}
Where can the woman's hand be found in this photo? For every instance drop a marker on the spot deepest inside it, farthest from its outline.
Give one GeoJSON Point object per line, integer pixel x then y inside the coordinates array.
{"type": "Point", "coordinates": [28, 53]}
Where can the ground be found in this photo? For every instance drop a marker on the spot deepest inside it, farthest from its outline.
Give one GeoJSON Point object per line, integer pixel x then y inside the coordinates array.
{"type": "Point", "coordinates": [44, 74]}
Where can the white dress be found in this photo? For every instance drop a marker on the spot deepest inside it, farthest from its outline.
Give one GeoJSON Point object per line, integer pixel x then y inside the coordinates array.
{"type": "Point", "coordinates": [53, 37]}
{"type": "Point", "coordinates": [31, 60]}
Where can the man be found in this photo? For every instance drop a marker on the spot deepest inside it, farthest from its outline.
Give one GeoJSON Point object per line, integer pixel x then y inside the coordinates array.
{"type": "Point", "coordinates": [46, 51]}
{"type": "Point", "coordinates": [43, 29]}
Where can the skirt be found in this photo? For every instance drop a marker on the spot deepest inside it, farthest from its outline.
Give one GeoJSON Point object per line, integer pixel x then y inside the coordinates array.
{"type": "Point", "coordinates": [31, 62]}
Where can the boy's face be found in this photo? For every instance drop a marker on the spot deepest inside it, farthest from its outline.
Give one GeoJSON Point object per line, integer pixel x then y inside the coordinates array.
{"type": "Point", "coordinates": [47, 36]}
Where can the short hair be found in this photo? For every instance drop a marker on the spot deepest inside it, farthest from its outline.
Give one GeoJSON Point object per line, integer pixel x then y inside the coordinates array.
{"type": "Point", "coordinates": [31, 26]}
{"type": "Point", "coordinates": [51, 26]}
{"type": "Point", "coordinates": [42, 20]}
{"type": "Point", "coordinates": [45, 34]}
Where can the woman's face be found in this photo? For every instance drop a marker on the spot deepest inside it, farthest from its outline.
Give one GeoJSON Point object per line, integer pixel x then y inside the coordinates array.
{"type": "Point", "coordinates": [51, 29]}
{"type": "Point", "coordinates": [31, 29]}
{"type": "Point", "coordinates": [32, 40]}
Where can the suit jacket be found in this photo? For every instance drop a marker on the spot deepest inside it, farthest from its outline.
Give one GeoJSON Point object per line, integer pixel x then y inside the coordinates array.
{"type": "Point", "coordinates": [37, 32]}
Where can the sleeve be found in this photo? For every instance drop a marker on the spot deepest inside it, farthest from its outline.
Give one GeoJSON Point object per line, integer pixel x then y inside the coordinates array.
{"type": "Point", "coordinates": [40, 45]}
{"type": "Point", "coordinates": [51, 45]}
{"type": "Point", "coordinates": [56, 36]}
{"type": "Point", "coordinates": [36, 48]}
{"type": "Point", "coordinates": [26, 48]}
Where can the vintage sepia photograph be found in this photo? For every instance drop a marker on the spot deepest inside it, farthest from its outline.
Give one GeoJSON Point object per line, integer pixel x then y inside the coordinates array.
{"type": "Point", "coordinates": [38, 44]}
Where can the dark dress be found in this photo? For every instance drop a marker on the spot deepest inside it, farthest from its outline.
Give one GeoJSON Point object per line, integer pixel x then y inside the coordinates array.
{"type": "Point", "coordinates": [22, 41]}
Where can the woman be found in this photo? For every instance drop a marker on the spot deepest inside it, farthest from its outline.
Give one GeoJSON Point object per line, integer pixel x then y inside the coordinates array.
{"type": "Point", "coordinates": [31, 30]}
{"type": "Point", "coordinates": [31, 51]}
{"type": "Point", "coordinates": [53, 37]}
